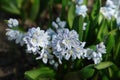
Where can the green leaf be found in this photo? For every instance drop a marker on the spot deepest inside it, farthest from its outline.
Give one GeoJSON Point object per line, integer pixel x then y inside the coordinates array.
{"type": "Point", "coordinates": [110, 42]}
{"type": "Point", "coordinates": [78, 26]}
{"type": "Point", "coordinates": [100, 19]}
{"type": "Point", "coordinates": [39, 73]}
{"type": "Point", "coordinates": [71, 15]}
{"type": "Point", "coordinates": [102, 32]}
{"type": "Point", "coordinates": [103, 65]}
{"type": "Point", "coordinates": [96, 8]}
{"type": "Point", "coordinates": [11, 8]}
{"type": "Point", "coordinates": [86, 72]}
{"type": "Point", "coordinates": [19, 3]}
{"type": "Point", "coordinates": [34, 9]}
{"type": "Point", "coordinates": [64, 2]}
{"type": "Point", "coordinates": [105, 77]}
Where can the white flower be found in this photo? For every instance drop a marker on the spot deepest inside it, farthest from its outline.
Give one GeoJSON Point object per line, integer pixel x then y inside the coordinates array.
{"type": "Point", "coordinates": [66, 44]}
{"type": "Point", "coordinates": [116, 2]}
{"type": "Point", "coordinates": [81, 10]}
{"type": "Point", "coordinates": [110, 9]}
{"type": "Point", "coordinates": [95, 55]}
{"type": "Point", "coordinates": [101, 48]}
{"type": "Point", "coordinates": [58, 23]}
{"type": "Point", "coordinates": [107, 12]}
{"type": "Point", "coordinates": [36, 39]}
{"type": "Point", "coordinates": [109, 3]}
{"type": "Point", "coordinates": [78, 2]}
{"type": "Point", "coordinates": [15, 35]}
{"type": "Point", "coordinates": [84, 26]}
{"type": "Point", "coordinates": [91, 54]}
{"type": "Point", "coordinates": [88, 53]}
{"type": "Point", "coordinates": [12, 22]}
{"type": "Point", "coordinates": [45, 55]}
{"type": "Point", "coordinates": [97, 60]}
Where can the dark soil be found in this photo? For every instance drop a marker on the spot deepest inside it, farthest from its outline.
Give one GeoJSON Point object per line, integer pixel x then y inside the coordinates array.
{"type": "Point", "coordinates": [13, 59]}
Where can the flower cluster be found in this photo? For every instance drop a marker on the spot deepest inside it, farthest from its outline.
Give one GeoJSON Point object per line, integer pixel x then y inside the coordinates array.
{"type": "Point", "coordinates": [112, 9]}
{"type": "Point", "coordinates": [80, 8]}
{"type": "Point", "coordinates": [55, 46]}
{"type": "Point", "coordinates": [14, 34]}
{"type": "Point", "coordinates": [95, 55]}
{"type": "Point", "coordinates": [66, 44]}
{"type": "Point", "coordinates": [12, 22]}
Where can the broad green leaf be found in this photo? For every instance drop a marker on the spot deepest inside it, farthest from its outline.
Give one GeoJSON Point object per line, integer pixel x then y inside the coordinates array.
{"type": "Point", "coordinates": [86, 73]}
{"type": "Point", "coordinates": [34, 9]}
{"type": "Point", "coordinates": [38, 73]}
{"type": "Point", "coordinates": [103, 65]}
{"type": "Point", "coordinates": [71, 15]}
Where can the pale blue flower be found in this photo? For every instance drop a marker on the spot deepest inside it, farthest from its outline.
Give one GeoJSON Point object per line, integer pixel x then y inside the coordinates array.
{"type": "Point", "coordinates": [97, 60]}
{"type": "Point", "coordinates": [12, 22]}
{"type": "Point", "coordinates": [110, 9]}
{"type": "Point", "coordinates": [91, 54]}
{"type": "Point", "coordinates": [115, 2]}
{"type": "Point", "coordinates": [36, 39]}
{"type": "Point", "coordinates": [45, 55]}
{"type": "Point", "coordinates": [107, 12]}
{"type": "Point", "coordinates": [15, 35]}
{"type": "Point", "coordinates": [79, 2]}
{"type": "Point", "coordinates": [66, 44]}
{"type": "Point", "coordinates": [58, 23]}
{"type": "Point", "coordinates": [88, 53]}
{"type": "Point", "coordinates": [110, 4]}
{"type": "Point", "coordinates": [81, 10]}
{"type": "Point", "coordinates": [84, 25]}
{"type": "Point", "coordinates": [95, 55]}
{"type": "Point", "coordinates": [101, 48]}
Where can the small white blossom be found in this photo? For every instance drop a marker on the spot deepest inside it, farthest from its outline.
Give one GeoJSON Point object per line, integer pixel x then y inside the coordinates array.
{"type": "Point", "coordinates": [116, 2]}
{"type": "Point", "coordinates": [109, 3]}
{"type": "Point", "coordinates": [56, 65]}
{"type": "Point", "coordinates": [107, 12]}
{"type": "Point", "coordinates": [58, 23]}
{"type": "Point", "coordinates": [95, 55]}
{"type": "Point", "coordinates": [88, 53]}
{"type": "Point", "coordinates": [36, 39]}
{"type": "Point", "coordinates": [15, 35]}
{"type": "Point", "coordinates": [52, 62]}
{"type": "Point", "coordinates": [45, 55]}
{"type": "Point", "coordinates": [81, 10]}
{"type": "Point", "coordinates": [78, 2]}
{"type": "Point", "coordinates": [101, 48]}
{"type": "Point", "coordinates": [12, 22]}
{"type": "Point", "coordinates": [84, 26]}
{"type": "Point", "coordinates": [66, 44]}
{"type": "Point", "coordinates": [97, 60]}
{"type": "Point", "coordinates": [110, 9]}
